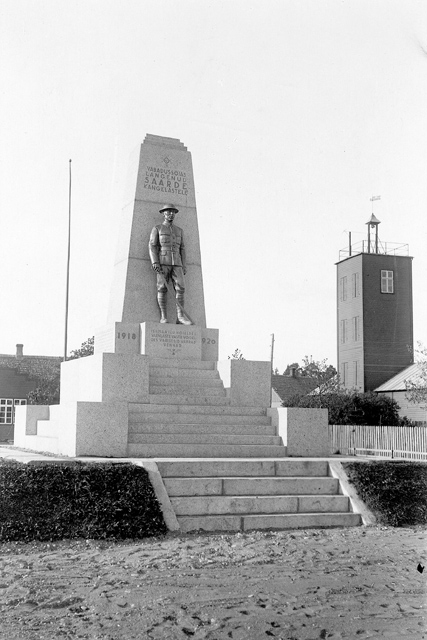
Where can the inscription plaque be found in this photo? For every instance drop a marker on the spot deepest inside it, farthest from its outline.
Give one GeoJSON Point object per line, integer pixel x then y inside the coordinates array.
{"type": "Point", "coordinates": [171, 341]}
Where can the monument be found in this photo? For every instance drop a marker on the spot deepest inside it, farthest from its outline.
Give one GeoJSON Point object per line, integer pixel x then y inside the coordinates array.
{"type": "Point", "coordinates": [155, 392]}
{"type": "Point", "coordinates": [153, 385]}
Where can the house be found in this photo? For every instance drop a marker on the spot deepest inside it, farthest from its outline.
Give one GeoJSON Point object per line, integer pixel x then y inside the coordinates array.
{"type": "Point", "coordinates": [18, 376]}
{"type": "Point", "coordinates": [395, 388]}
{"type": "Point", "coordinates": [284, 387]}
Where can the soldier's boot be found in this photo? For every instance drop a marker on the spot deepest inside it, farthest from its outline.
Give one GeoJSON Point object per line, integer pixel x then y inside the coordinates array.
{"type": "Point", "coordinates": [162, 302]}
{"type": "Point", "coordinates": [181, 319]}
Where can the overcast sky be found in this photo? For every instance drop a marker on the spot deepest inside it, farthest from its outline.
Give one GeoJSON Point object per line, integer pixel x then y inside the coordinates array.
{"type": "Point", "coordinates": [296, 113]}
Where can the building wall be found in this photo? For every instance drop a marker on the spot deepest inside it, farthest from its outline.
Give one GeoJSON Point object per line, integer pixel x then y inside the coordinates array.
{"type": "Point", "coordinates": [412, 411]}
{"type": "Point", "coordinates": [18, 376]}
{"type": "Point", "coordinates": [387, 318]}
{"type": "Point", "coordinates": [350, 323]}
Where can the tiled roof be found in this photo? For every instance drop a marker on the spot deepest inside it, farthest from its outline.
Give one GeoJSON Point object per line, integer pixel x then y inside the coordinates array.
{"type": "Point", "coordinates": [29, 365]}
{"type": "Point", "coordinates": [397, 382]}
{"type": "Point", "coordinates": [288, 386]}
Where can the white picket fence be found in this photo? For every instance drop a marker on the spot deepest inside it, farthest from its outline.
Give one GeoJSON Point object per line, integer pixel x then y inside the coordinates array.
{"type": "Point", "coordinates": [383, 441]}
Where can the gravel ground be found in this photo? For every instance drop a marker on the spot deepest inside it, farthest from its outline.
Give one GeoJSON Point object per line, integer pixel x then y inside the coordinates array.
{"type": "Point", "coordinates": [294, 585]}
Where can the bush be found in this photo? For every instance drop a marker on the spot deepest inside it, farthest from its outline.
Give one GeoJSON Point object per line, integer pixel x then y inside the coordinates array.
{"type": "Point", "coordinates": [395, 491]}
{"type": "Point", "coordinates": [352, 408]}
{"type": "Point", "coordinates": [51, 501]}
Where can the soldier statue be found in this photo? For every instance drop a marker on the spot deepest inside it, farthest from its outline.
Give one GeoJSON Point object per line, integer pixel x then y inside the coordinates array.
{"type": "Point", "coordinates": [167, 255]}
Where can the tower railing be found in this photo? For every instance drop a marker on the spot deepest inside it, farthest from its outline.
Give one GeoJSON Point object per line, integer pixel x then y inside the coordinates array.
{"type": "Point", "coordinates": [384, 248]}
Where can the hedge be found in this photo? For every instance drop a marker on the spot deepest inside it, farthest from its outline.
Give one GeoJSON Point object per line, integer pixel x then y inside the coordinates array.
{"type": "Point", "coordinates": [51, 501]}
{"type": "Point", "coordinates": [396, 491]}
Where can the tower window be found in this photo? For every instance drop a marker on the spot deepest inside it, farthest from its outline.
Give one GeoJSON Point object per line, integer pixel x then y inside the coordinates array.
{"type": "Point", "coordinates": [343, 288]}
{"type": "Point", "coordinates": [356, 329]}
{"type": "Point", "coordinates": [344, 331]}
{"type": "Point", "coordinates": [387, 283]}
{"type": "Point", "coordinates": [355, 291]}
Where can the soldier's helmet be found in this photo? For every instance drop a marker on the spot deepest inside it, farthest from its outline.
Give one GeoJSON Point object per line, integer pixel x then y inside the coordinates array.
{"type": "Point", "coordinates": [168, 207]}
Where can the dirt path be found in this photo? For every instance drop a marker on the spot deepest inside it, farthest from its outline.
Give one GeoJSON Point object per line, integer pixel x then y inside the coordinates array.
{"type": "Point", "coordinates": [293, 585]}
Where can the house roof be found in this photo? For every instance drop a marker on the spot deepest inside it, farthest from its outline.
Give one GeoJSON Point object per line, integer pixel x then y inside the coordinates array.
{"type": "Point", "coordinates": [397, 382]}
{"type": "Point", "coordinates": [288, 386]}
{"type": "Point", "coordinates": [29, 365]}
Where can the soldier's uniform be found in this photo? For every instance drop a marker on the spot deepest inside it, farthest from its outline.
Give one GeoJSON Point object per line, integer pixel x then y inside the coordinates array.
{"type": "Point", "coordinates": [167, 249]}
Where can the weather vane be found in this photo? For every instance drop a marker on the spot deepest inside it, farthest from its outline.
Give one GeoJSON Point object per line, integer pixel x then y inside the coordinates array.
{"type": "Point", "coordinates": [373, 199]}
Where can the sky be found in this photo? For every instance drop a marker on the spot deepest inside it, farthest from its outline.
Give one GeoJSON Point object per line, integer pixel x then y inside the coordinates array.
{"type": "Point", "coordinates": [296, 113]}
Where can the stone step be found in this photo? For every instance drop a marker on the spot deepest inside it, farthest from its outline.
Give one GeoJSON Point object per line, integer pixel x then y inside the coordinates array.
{"type": "Point", "coordinates": [174, 390]}
{"type": "Point", "coordinates": [187, 399]}
{"type": "Point", "coordinates": [183, 427]}
{"type": "Point", "coordinates": [189, 374]}
{"type": "Point", "coordinates": [216, 505]}
{"type": "Point", "coordinates": [204, 451]}
{"type": "Point", "coordinates": [202, 439]}
{"type": "Point", "coordinates": [198, 409]}
{"type": "Point", "coordinates": [136, 416]}
{"type": "Point", "coordinates": [268, 521]}
{"type": "Point", "coordinates": [242, 468]}
{"type": "Point", "coordinates": [250, 486]}
{"type": "Point", "coordinates": [180, 363]}
{"type": "Point", "coordinates": [184, 383]}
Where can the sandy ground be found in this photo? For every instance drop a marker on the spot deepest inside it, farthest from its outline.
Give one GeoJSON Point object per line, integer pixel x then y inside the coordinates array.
{"type": "Point", "coordinates": [294, 585]}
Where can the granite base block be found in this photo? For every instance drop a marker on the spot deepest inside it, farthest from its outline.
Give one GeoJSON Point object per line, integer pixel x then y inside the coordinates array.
{"type": "Point", "coordinates": [105, 377]}
{"type": "Point", "coordinates": [118, 337]}
{"type": "Point", "coordinates": [304, 432]}
{"type": "Point", "coordinates": [250, 382]}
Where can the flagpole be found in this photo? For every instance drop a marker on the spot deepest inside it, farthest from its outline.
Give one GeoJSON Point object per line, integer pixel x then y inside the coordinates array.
{"type": "Point", "coordinates": [271, 368]}
{"type": "Point", "coordinates": [67, 288]}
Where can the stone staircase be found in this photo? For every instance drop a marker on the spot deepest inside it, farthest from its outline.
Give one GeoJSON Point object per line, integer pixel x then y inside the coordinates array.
{"type": "Point", "coordinates": [239, 495]}
{"type": "Point", "coordinates": [223, 467]}
{"type": "Point", "coordinates": [189, 415]}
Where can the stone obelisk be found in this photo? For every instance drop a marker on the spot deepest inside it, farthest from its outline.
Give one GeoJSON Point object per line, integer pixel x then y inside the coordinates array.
{"type": "Point", "coordinates": [162, 174]}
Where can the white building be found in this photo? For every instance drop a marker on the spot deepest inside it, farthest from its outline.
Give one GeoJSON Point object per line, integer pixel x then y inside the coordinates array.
{"type": "Point", "coordinates": [395, 388]}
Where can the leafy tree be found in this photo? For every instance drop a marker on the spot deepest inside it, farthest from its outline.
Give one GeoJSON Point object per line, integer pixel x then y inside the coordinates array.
{"type": "Point", "coordinates": [310, 368]}
{"type": "Point", "coordinates": [48, 376]}
{"type": "Point", "coordinates": [86, 349]}
{"type": "Point", "coordinates": [237, 355]}
{"type": "Point", "coordinates": [351, 407]}
{"type": "Point", "coordinates": [318, 369]}
{"type": "Point", "coordinates": [416, 391]}
{"type": "Point", "coordinates": [325, 375]}
{"type": "Point", "coordinates": [48, 383]}
{"type": "Point", "coordinates": [294, 365]}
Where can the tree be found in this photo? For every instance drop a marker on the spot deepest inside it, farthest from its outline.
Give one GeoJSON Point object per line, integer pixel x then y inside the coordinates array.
{"type": "Point", "coordinates": [294, 365]}
{"type": "Point", "coordinates": [310, 368]}
{"type": "Point", "coordinates": [351, 407]}
{"type": "Point", "coordinates": [86, 349]}
{"type": "Point", "coordinates": [48, 383]}
{"type": "Point", "coordinates": [237, 355]}
{"type": "Point", "coordinates": [325, 375]}
{"type": "Point", "coordinates": [48, 376]}
{"type": "Point", "coordinates": [416, 390]}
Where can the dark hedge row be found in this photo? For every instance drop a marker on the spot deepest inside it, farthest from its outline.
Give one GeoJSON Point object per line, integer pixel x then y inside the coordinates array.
{"type": "Point", "coordinates": [51, 501]}
{"type": "Point", "coordinates": [395, 491]}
